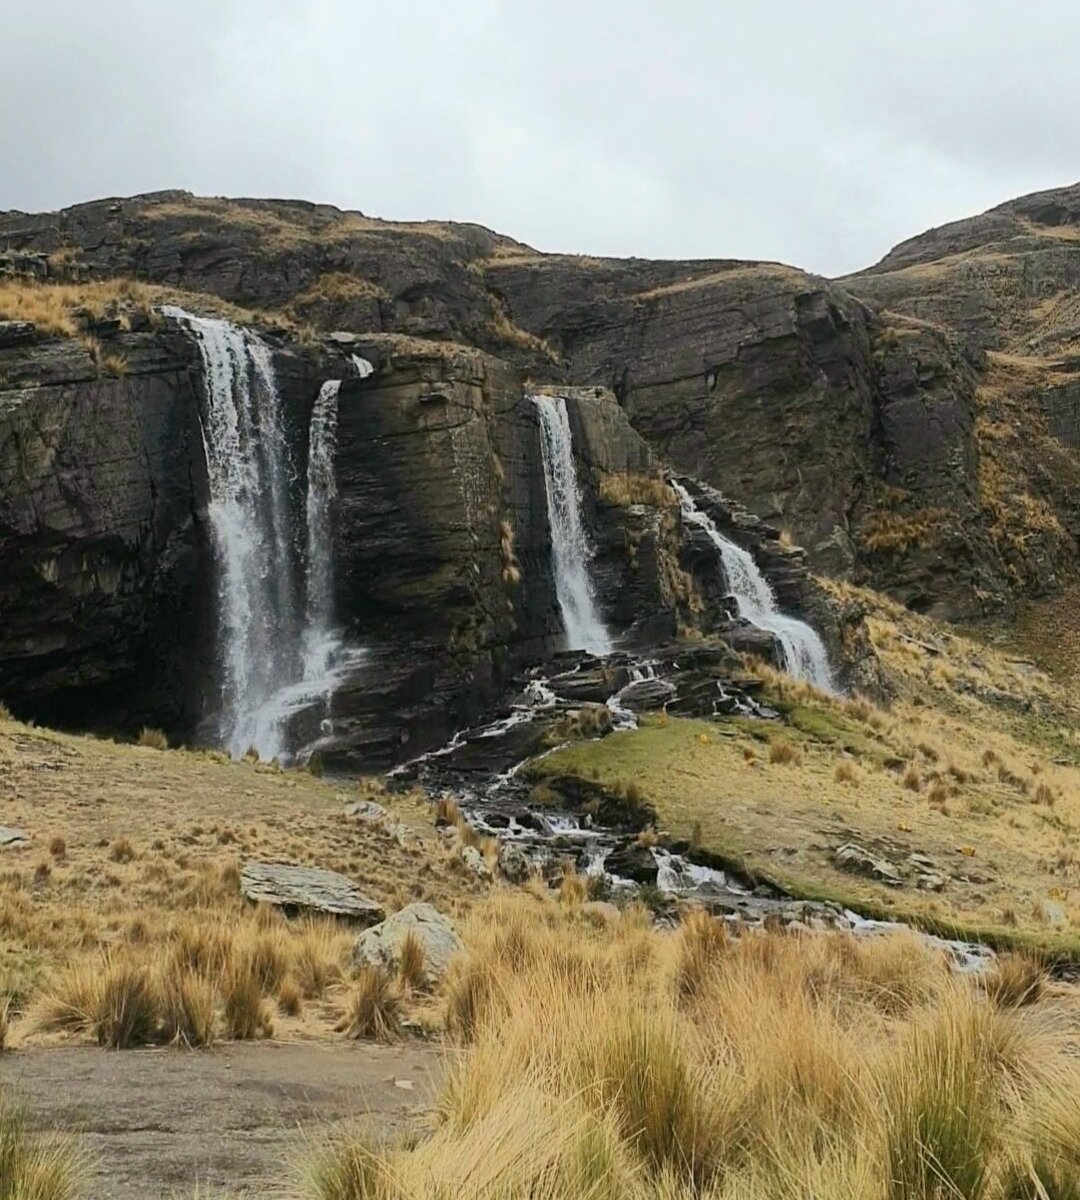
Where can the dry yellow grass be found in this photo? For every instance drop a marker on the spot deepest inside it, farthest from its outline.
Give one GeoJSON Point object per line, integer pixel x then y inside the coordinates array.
{"type": "Point", "coordinates": [144, 847]}
{"type": "Point", "coordinates": [644, 1065]}
{"type": "Point", "coordinates": [626, 488]}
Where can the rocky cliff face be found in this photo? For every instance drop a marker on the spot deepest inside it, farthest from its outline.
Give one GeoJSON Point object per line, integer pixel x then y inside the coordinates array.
{"type": "Point", "coordinates": [913, 425]}
{"type": "Point", "coordinates": [103, 587]}
{"type": "Point", "coordinates": [442, 544]}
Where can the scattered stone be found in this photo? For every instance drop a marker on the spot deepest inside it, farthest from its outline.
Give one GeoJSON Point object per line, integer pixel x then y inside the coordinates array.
{"type": "Point", "coordinates": [475, 861]}
{"type": "Point", "coordinates": [645, 694]}
{"type": "Point", "coordinates": [930, 881]}
{"type": "Point", "coordinates": [310, 888]}
{"type": "Point", "coordinates": [859, 861]}
{"type": "Point", "coordinates": [365, 810]}
{"type": "Point", "coordinates": [342, 338]}
{"type": "Point", "coordinates": [1053, 914]}
{"type": "Point", "coordinates": [381, 944]}
{"type": "Point", "coordinates": [514, 863]}
{"type": "Point", "coordinates": [11, 838]}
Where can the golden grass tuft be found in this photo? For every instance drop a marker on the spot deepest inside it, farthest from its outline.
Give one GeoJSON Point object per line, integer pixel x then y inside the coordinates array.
{"type": "Point", "coordinates": [784, 752]}
{"type": "Point", "coordinates": [34, 1166]}
{"type": "Point", "coordinates": [373, 1008]}
{"type": "Point", "coordinates": [633, 1063]}
{"type": "Point", "coordinates": [624, 489]}
{"type": "Point", "coordinates": [1015, 980]}
{"type": "Point", "coordinates": [412, 963]}
{"type": "Point", "coordinates": [155, 739]}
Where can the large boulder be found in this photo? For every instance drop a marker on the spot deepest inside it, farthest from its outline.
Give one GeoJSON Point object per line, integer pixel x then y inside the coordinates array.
{"type": "Point", "coordinates": [307, 888]}
{"type": "Point", "coordinates": [381, 945]}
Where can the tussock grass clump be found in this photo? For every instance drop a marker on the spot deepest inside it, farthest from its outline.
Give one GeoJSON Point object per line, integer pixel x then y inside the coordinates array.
{"type": "Point", "coordinates": [155, 739]}
{"type": "Point", "coordinates": [33, 1167]}
{"type": "Point", "coordinates": [188, 1003]}
{"type": "Point", "coordinates": [373, 1009]}
{"type": "Point", "coordinates": [113, 1000]}
{"type": "Point", "coordinates": [1015, 980]}
{"type": "Point", "coordinates": [246, 1013]}
{"type": "Point", "coordinates": [411, 965]}
{"type": "Point", "coordinates": [122, 851]}
{"type": "Point", "coordinates": [642, 1064]}
{"type": "Point", "coordinates": [784, 752]}
{"type": "Point", "coordinates": [846, 772]}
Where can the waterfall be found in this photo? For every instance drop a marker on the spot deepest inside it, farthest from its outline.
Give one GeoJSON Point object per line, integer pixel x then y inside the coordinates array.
{"type": "Point", "coordinates": [569, 548]}
{"type": "Point", "coordinates": [277, 645]}
{"type": "Point", "coordinates": [321, 642]}
{"type": "Point", "coordinates": [250, 476]}
{"type": "Point", "coordinates": [804, 652]}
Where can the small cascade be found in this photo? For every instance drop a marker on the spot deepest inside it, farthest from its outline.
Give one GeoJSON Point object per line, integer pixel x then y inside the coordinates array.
{"type": "Point", "coordinates": [250, 477]}
{"type": "Point", "coordinates": [321, 641]}
{"type": "Point", "coordinates": [804, 652]}
{"type": "Point", "coordinates": [570, 551]}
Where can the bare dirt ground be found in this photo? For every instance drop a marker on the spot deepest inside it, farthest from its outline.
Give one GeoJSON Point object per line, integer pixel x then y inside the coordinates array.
{"type": "Point", "coordinates": [158, 1123]}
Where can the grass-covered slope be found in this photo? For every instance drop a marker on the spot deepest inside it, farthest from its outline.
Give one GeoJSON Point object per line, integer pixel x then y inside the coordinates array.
{"type": "Point", "coordinates": [973, 764]}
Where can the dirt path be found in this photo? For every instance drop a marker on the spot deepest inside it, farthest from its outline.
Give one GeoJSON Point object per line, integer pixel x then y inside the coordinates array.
{"type": "Point", "coordinates": [158, 1121]}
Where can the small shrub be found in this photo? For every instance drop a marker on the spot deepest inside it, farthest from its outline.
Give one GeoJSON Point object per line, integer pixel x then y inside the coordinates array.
{"type": "Point", "coordinates": [784, 752]}
{"type": "Point", "coordinates": [58, 847]}
{"type": "Point", "coordinates": [912, 780]}
{"type": "Point", "coordinates": [938, 793]}
{"type": "Point", "coordinates": [846, 772]}
{"type": "Point", "coordinates": [290, 997]}
{"type": "Point", "coordinates": [155, 739]}
{"type": "Point", "coordinates": [373, 1009]}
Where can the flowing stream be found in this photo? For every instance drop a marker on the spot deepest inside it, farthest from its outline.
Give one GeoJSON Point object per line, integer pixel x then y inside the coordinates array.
{"type": "Point", "coordinates": [570, 552]}
{"type": "Point", "coordinates": [805, 656]}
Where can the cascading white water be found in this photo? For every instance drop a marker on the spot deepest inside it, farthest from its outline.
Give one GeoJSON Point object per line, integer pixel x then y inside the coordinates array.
{"type": "Point", "coordinates": [804, 652]}
{"type": "Point", "coordinates": [278, 654]}
{"type": "Point", "coordinates": [321, 641]}
{"type": "Point", "coordinates": [250, 473]}
{"type": "Point", "coordinates": [569, 548]}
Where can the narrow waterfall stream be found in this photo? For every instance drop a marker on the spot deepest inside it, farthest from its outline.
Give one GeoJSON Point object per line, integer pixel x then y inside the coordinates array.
{"type": "Point", "coordinates": [805, 656]}
{"type": "Point", "coordinates": [584, 626]}
{"type": "Point", "coordinates": [277, 643]}
{"type": "Point", "coordinates": [321, 641]}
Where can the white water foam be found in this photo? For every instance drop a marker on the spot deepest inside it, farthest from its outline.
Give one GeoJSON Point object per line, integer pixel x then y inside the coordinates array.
{"type": "Point", "coordinates": [805, 656]}
{"type": "Point", "coordinates": [570, 552]}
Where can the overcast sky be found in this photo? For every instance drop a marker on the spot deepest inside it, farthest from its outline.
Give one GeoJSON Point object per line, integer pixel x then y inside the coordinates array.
{"type": "Point", "coordinates": [817, 133]}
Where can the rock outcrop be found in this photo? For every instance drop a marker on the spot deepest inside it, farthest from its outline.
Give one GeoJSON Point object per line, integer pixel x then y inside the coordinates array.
{"type": "Point", "coordinates": [103, 592]}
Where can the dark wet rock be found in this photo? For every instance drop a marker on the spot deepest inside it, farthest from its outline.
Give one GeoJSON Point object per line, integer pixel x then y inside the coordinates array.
{"type": "Point", "coordinates": [16, 333]}
{"type": "Point", "coordinates": [647, 694]}
{"type": "Point", "coordinates": [634, 862]}
{"type": "Point", "coordinates": [312, 889]}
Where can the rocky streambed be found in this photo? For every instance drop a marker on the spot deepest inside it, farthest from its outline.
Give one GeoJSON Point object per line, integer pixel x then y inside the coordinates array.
{"type": "Point", "coordinates": [571, 823]}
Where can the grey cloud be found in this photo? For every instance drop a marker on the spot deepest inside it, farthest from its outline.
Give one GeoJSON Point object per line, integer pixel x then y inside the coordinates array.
{"type": "Point", "coordinates": [816, 134]}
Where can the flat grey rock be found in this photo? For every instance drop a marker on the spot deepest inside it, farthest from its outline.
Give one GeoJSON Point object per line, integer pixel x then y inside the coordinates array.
{"type": "Point", "coordinates": [10, 837]}
{"type": "Point", "coordinates": [859, 861]}
{"type": "Point", "coordinates": [310, 888]}
{"type": "Point", "coordinates": [365, 810]}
